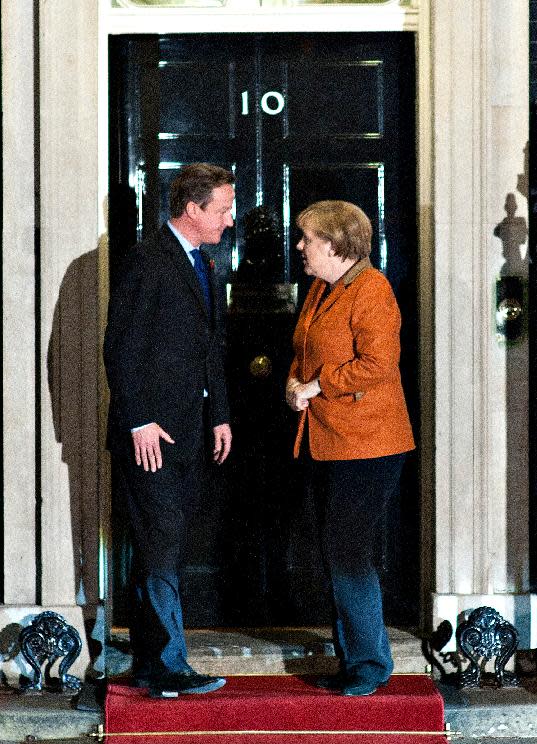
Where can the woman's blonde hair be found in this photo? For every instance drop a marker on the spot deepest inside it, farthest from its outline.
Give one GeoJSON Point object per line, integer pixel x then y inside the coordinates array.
{"type": "Point", "coordinates": [346, 226]}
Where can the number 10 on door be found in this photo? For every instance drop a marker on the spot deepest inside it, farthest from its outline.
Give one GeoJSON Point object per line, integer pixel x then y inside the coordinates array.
{"type": "Point", "coordinates": [272, 102]}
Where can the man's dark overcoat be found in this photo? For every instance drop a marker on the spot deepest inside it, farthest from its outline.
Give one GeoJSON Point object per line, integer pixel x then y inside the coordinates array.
{"type": "Point", "coordinates": [162, 349]}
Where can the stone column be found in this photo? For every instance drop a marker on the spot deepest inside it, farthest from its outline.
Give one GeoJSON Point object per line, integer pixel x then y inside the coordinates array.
{"type": "Point", "coordinates": [19, 317]}
{"type": "Point", "coordinates": [69, 300]}
{"type": "Point", "coordinates": [481, 128]}
{"type": "Point", "coordinates": [51, 318]}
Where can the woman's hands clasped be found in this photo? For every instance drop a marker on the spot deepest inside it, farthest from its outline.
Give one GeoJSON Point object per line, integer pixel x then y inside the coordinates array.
{"type": "Point", "coordinates": [298, 394]}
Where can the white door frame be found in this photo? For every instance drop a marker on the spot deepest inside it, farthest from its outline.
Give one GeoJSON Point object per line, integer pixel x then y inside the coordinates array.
{"type": "Point", "coordinates": [242, 16]}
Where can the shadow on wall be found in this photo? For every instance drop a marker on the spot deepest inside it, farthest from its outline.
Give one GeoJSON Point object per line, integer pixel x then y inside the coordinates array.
{"type": "Point", "coordinates": [76, 381]}
{"type": "Point", "coordinates": [74, 374]}
{"type": "Point", "coordinates": [72, 378]}
{"type": "Point", "coordinates": [513, 233]}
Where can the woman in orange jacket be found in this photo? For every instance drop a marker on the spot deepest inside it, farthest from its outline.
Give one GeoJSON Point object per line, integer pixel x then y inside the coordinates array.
{"type": "Point", "coordinates": [353, 425]}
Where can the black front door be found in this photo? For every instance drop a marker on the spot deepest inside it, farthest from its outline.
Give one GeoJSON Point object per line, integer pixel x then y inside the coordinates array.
{"type": "Point", "coordinates": [298, 117]}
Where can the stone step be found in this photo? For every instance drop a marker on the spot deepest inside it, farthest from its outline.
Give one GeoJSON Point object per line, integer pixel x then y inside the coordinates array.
{"type": "Point", "coordinates": [484, 716]}
{"type": "Point", "coordinates": [496, 713]}
{"type": "Point", "coordinates": [268, 651]}
{"type": "Point", "coordinates": [45, 717]}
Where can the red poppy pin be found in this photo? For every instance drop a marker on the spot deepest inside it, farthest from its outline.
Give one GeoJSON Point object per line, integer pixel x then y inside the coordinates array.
{"type": "Point", "coordinates": [212, 264]}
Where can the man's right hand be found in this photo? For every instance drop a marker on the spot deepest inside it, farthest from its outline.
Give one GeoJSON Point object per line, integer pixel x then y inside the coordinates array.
{"type": "Point", "coordinates": [147, 446]}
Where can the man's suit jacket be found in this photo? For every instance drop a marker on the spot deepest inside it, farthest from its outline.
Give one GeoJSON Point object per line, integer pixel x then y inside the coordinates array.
{"type": "Point", "coordinates": [350, 341]}
{"type": "Point", "coordinates": [162, 349]}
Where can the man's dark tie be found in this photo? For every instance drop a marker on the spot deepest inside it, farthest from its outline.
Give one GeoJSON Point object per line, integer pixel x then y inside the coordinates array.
{"type": "Point", "coordinates": [201, 271]}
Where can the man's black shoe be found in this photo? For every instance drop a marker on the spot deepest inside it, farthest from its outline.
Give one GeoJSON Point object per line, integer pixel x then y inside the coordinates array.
{"type": "Point", "coordinates": [143, 678]}
{"type": "Point", "coordinates": [173, 685]}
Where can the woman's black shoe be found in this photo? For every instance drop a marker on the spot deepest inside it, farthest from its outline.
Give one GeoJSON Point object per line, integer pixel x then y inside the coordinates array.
{"type": "Point", "coordinates": [340, 681]}
{"type": "Point", "coordinates": [331, 681]}
{"type": "Point", "coordinates": [357, 685]}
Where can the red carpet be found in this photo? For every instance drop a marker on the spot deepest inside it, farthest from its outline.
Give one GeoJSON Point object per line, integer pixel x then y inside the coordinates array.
{"type": "Point", "coordinates": [252, 710]}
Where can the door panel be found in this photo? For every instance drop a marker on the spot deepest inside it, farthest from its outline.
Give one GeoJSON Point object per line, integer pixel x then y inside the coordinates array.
{"type": "Point", "coordinates": [191, 116]}
{"type": "Point", "coordinates": [360, 116]}
{"type": "Point", "coordinates": [297, 117]}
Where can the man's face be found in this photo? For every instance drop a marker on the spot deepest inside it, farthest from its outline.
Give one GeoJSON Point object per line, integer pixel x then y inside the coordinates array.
{"type": "Point", "coordinates": [211, 221]}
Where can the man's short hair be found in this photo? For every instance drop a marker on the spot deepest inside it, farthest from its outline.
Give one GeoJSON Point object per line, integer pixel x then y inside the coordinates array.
{"type": "Point", "coordinates": [195, 183]}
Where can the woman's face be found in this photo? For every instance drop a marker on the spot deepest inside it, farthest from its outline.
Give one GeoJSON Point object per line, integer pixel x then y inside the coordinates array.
{"type": "Point", "coordinates": [317, 254]}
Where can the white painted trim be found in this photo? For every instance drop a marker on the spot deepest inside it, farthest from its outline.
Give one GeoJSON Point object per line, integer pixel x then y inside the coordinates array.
{"type": "Point", "coordinates": [262, 19]}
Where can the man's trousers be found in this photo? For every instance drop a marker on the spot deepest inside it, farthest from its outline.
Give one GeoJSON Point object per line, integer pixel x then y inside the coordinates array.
{"type": "Point", "coordinates": [160, 508]}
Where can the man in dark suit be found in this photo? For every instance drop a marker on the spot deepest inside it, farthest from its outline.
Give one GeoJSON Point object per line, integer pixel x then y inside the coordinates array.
{"type": "Point", "coordinates": [164, 361]}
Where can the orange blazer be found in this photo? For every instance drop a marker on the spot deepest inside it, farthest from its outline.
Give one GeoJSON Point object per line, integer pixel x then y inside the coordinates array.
{"type": "Point", "coordinates": [350, 340]}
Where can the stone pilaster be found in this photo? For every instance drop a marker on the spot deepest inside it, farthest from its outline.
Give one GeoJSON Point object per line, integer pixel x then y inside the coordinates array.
{"type": "Point", "coordinates": [19, 318]}
{"type": "Point", "coordinates": [69, 302]}
{"type": "Point", "coordinates": [481, 130]}
{"type": "Point", "coordinates": [51, 317]}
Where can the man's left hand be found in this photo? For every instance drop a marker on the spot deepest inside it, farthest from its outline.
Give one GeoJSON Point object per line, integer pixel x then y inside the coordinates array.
{"type": "Point", "coordinates": [222, 443]}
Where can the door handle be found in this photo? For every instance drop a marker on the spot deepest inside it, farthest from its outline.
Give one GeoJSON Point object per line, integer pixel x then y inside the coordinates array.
{"type": "Point", "coordinates": [261, 366]}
